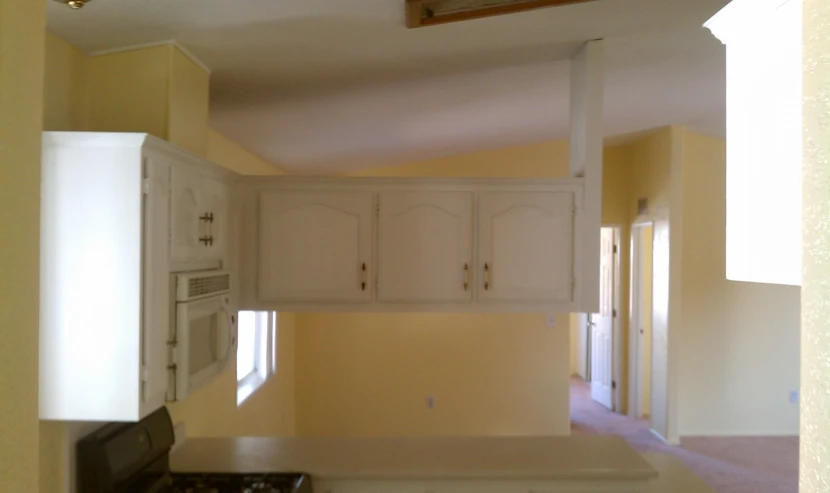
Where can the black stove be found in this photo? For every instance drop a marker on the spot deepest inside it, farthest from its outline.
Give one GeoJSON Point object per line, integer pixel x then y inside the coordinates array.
{"type": "Point", "coordinates": [135, 457]}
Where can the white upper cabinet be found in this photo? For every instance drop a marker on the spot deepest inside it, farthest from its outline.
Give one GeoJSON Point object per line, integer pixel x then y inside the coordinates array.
{"type": "Point", "coordinates": [186, 227]}
{"type": "Point", "coordinates": [315, 246]}
{"type": "Point", "coordinates": [526, 246]}
{"type": "Point", "coordinates": [425, 246]}
{"type": "Point", "coordinates": [198, 216]}
{"type": "Point", "coordinates": [410, 245]}
{"type": "Point", "coordinates": [763, 138]}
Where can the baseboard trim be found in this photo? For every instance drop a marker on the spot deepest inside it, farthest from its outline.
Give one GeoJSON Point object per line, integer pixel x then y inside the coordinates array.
{"type": "Point", "coordinates": [663, 439]}
{"type": "Point", "coordinates": [740, 434]}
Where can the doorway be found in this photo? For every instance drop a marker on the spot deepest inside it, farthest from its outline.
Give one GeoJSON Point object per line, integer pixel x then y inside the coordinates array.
{"type": "Point", "coordinates": [597, 345]}
{"type": "Point", "coordinates": [640, 325]}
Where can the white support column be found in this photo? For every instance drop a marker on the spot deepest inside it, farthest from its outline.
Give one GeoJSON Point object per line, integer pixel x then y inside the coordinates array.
{"type": "Point", "coordinates": [587, 91]}
{"type": "Point", "coordinates": [814, 457]}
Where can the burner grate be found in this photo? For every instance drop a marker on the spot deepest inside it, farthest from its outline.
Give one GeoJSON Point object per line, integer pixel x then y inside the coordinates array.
{"type": "Point", "coordinates": [235, 483]}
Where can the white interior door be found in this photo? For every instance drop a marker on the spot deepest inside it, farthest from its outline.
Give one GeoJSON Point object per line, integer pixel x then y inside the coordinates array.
{"type": "Point", "coordinates": [602, 326]}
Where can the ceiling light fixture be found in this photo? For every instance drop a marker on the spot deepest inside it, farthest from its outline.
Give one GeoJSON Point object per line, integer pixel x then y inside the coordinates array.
{"type": "Point", "coordinates": [421, 13]}
{"type": "Point", "coordinates": [74, 4]}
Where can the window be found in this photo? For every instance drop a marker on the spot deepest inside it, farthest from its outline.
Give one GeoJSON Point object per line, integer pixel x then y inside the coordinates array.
{"type": "Point", "coordinates": [256, 353]}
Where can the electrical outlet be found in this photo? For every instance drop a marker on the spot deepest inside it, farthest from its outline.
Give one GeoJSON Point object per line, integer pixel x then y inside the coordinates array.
{"type": "Point", "coordinates": [551, 320]}
{"type": "Point", "coordinates": [430, 402]}
{"type": "Point", "coordinates": [793, 397]}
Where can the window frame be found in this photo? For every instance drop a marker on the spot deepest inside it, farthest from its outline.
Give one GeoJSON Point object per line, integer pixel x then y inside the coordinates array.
{"type": "Point", "coordinates": [265, 355]}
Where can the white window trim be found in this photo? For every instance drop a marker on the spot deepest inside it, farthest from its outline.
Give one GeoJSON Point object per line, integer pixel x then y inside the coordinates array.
{"type": "Point", "coordinates": [265, 366]}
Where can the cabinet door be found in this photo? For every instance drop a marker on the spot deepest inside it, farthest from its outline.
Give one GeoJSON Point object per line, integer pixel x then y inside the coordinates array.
{"type": "Point", "coordinates": [315, 246]}
{"type": "Point", "coordinates": [425, 246]}
{"type": "Point", "coordinates": [186, 228]}
{"type": "Point", "coordinates": [214, 202]}
{"type": "Point", "coordinates": [526, 246]}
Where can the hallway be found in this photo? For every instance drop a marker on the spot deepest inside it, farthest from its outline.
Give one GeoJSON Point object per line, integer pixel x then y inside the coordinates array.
{"type": "Point", "coordinates": [728, 465]}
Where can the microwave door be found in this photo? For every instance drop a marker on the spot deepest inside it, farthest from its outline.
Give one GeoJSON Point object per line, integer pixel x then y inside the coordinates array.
{"type": "Point", "coordinates": [205, 338]}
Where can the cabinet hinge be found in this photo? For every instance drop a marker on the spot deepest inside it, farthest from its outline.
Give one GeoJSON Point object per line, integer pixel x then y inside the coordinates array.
{"type": "Point", "coordinates": [145, 186]}
{"type": "Point", "coordinates": [615, 248]}
{"type": "Point", "coordinates": [613, 384]}
{"type": "Point", "coordinates": [573, 287]}
{"type": "Point", "coordinates": [613, 313]}
{"type": "Point", "coordinates": [573, 210]}
{"type": "Point", "coordinates": [145, 374]}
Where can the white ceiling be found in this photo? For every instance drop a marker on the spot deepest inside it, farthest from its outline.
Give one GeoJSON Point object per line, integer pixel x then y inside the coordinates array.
{"type": "Point", "coordinates": [332, 85]}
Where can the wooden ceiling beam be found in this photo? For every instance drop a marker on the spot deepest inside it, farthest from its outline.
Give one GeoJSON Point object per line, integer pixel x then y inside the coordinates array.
{"type": "Point", "coordinates": [415, 11]}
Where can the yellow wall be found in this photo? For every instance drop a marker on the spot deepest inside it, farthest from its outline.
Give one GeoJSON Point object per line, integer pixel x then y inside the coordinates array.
{"type": "Point", "coordinates": [21, 119]}
{"type": "Point", "coordinates": [157, 90]}
{"type": "Point", "coordinates": [370, 374]}
{"type": "Point", "coordinates": [227, 153]}
{"type": "Point", "coordinates": [121, 101]}
{"type": "Point", "coordinates": [548, 159]}
{"type": "Point", "coordinates": [651, 158]}
{"type": "Point", "coordinates": [740, 341]}
{"type": "Point", "coordinates": [189, 92]}
{"type": "Point", "coordinates": [65, 94]}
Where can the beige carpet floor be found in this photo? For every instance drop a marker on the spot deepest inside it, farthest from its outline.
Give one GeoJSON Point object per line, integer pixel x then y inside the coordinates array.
{"type": "Point", "coordinates": [726, 464]}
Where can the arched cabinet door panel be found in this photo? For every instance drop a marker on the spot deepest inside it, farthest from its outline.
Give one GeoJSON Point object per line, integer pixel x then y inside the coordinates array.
{"type": "Point", "coordinates": [526, 246]}
{"type": "Point", "coordinates": [315, 246]}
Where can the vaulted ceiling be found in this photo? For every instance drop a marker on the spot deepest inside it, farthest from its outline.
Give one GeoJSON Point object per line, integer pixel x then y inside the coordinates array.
{"type": "Point", "coordinates": [333, 85]}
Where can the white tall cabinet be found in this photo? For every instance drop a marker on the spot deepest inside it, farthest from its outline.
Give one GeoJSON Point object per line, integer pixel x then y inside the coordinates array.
{"type": "Point", "coordinates": [117, 212]}
{"type": "Point", "coordinates": [104, 285]}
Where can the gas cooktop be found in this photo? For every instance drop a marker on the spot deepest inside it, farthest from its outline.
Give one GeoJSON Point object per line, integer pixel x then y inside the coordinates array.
{"type": "Point", "coordinates": [239, 483]}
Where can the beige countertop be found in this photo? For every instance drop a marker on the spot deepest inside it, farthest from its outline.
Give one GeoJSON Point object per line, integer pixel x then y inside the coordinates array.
{"type": "Point", "coordinates": [533, 458]}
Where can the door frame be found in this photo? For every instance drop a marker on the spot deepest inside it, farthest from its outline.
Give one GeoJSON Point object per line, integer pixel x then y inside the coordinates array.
{"type": "Point", "coordinates": [636, 344]}
{"type": "Point", "coordinates": [616, 328]}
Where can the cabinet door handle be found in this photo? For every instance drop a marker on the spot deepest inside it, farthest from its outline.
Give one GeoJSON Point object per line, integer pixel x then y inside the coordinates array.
{"type": "Point", "coordinates": [363, 275]}
{"type": "Point", "coordinates": [466, 277]}
{"type": "Point", "coordinates": [487, 282]}
{"type": "Point", "coordinates": [207, 228]}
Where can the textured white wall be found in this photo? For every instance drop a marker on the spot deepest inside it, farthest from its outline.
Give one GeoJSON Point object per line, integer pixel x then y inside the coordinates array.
{"type": "Point", "coordinates": [815, 288]}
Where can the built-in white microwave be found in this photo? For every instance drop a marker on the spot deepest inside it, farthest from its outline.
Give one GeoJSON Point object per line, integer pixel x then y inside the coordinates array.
{"type": "Point", "coordinates": [203, 339]}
